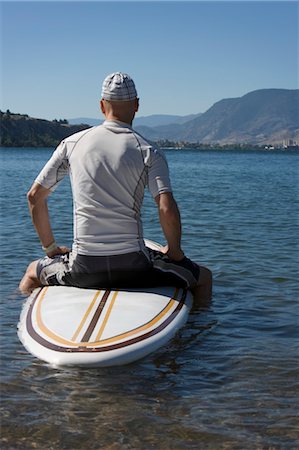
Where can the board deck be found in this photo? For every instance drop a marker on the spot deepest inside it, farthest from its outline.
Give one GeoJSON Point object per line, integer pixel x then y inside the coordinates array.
{"type": "Point", "coordinates": [87, 327]}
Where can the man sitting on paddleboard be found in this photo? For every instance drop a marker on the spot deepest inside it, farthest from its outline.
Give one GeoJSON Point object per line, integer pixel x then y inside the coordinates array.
{"type": "Point", "coordinates": [110, 165]}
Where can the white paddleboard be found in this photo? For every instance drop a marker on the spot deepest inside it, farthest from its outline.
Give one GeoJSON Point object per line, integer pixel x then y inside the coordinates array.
{"type": "Point", "coordinates": [68, 326]}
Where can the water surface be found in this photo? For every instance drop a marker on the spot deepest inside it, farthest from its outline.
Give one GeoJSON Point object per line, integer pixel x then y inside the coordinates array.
{"type": "Point", "coordinates": [229, 380]}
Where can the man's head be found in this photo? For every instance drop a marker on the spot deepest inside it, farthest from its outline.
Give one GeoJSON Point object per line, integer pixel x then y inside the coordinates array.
{"type": "Point", "coordinates": [119, 97]}
{"type": "Point", "coordinates": [118, 86]}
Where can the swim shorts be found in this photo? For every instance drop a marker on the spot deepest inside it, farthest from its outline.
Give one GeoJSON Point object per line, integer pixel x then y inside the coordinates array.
{"type": "Point", "coordinates": [132, 270]}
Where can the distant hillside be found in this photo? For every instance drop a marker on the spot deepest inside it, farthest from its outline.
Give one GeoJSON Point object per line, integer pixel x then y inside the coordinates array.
{"type": "Point", "coordinates": [85, 120]}
{"type": "Point", "coordinates": [162, 119]}
{"type": "Point", "coordinates": [148, 121]}
{"type": "Point", "coordinates": [259, 117]}
{"type": "Point", "coordinates": [20, 130]}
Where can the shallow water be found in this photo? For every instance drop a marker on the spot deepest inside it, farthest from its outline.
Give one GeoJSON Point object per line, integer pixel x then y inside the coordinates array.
{"type": "Point", "coordinates": [229, 380]}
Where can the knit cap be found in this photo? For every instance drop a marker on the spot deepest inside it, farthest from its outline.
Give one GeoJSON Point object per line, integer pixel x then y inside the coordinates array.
{"type": "Point", "coordinates": [118, 86]}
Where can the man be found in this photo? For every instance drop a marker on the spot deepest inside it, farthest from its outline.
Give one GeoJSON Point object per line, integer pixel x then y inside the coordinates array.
{"type": "Point", "coordinates": [109, 166]}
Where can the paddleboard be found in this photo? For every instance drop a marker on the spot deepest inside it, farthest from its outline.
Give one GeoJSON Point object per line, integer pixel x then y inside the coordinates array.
{"type": "Point", "coordinates": [68, 326]}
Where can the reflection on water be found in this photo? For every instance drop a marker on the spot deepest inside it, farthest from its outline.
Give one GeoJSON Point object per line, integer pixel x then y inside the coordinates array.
{"type": "Point", "coordinates": [229, 379]}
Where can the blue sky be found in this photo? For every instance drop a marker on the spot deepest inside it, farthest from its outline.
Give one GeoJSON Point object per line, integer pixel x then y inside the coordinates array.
{"type": "Point", "coordinates": [183, 56]}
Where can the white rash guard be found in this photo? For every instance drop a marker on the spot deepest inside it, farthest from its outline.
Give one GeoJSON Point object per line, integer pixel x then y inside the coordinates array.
{"type": "Point", "coordinates": [109, 165]}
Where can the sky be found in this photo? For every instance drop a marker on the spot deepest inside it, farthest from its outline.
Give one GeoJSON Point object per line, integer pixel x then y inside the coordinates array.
{"type": "Point", "coordinates": [183, 56]}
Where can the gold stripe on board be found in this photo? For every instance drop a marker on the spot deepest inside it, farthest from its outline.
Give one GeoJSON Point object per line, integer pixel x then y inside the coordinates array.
{"type": "Point", "coordinates": [45, 329]}
{"type": "Point", "coordinates": [85, 316]}
{"type": "Point", "coordinates": [145, 326]}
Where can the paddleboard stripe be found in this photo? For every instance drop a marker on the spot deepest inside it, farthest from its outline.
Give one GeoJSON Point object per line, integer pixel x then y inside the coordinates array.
{"type": "Point", "coordinates": [85, 316]}
{"type": "Point", "coordinates": [100, 332]}
{"type": "Point", "coordinates": [96, 317]}
{"type": "Point", "coordinates": [40, 323]}
{"type": "Point", "coordinates": [90, 347]}
{"type": "Point", "coordinates": [146, 325]}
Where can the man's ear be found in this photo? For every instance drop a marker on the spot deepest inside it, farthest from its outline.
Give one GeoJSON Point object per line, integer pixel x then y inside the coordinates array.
{"type": "Point", "coordinates": [102, 106]}
{"type": "Point", "coordinates": [136, 104]}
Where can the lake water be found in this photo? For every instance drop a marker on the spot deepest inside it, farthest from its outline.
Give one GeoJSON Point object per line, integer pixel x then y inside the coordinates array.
{"type": "Point", "coordinates": [230, 378]}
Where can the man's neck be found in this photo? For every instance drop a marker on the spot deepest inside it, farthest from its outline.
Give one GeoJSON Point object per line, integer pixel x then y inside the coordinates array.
{"type": "Point", "coordinates": [119, 119]}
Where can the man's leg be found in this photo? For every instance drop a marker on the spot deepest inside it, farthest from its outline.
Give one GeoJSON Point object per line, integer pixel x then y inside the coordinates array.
{"type": "Point", "coordinates": [202, 293]}
{"type": "Point", "coordinates": [166, 271]}
{"type": "Point", "coordinates": [30, 281]}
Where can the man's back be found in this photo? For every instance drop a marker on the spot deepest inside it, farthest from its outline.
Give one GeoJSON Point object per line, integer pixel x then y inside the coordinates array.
{"type": "Point", "coordinates": [109, 166]}
{"type": "Point", "coordinates": [109, 173]}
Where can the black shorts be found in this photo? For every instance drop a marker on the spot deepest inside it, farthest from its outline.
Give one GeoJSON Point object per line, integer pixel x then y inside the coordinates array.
{"type": "Point", "coordinates": [132, 270]}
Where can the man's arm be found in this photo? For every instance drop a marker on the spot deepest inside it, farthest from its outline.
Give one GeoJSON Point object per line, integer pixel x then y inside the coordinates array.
{"type": "Point", "coordinates": [170, 220]}
{"type": "Point", "coordinates": [37, 202]}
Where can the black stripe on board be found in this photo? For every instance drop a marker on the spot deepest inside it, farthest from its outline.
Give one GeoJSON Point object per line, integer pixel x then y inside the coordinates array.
{"type": "Point", "coordinates": [96, 317]}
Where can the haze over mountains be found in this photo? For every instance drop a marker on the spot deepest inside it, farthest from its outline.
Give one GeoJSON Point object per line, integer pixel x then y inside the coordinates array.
{"type": "Point", "coordinates": [259, 117]}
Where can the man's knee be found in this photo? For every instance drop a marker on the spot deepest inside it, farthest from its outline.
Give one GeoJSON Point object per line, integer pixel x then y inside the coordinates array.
{"type": "Point", "coordinates": [31, 270]}
{"type": "Point", "coordinates": [202, 293]}
{"type": "Point", "coordinates": [29, 280]}
{"type": "Point", "coordinates": [205, 276]}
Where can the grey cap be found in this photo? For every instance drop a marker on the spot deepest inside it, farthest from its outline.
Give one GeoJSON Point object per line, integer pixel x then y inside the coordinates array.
{"type": "Point", "coordinates": [118, 86]}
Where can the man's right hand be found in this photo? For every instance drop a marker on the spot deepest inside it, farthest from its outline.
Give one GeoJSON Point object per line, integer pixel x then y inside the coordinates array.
{"type": "Point", "coordinates": [58, 251]}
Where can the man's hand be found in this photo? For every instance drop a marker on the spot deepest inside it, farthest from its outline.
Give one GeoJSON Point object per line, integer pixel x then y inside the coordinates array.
{"type": "Point", "coordinates": [170, 220]}
{"type": "Point", "coordinates": [177, 255]}
{"type": "Point", "coordinates": [58, 251]}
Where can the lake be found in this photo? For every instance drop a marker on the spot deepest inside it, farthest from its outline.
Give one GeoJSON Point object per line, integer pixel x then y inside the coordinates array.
{"type": "Point", "coordinates": [230, 378]}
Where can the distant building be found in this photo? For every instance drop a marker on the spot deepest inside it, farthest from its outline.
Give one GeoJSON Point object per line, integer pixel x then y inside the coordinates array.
{"type": "Point", "coordinates": [287, 143]}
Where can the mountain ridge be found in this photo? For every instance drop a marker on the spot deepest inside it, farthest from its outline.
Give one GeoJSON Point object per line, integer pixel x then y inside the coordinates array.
{"type": "Point", "coordinates": [261, 117]}
{"type": "Point", "coordinates": [150, 121]}
{"type": "Point", "coordinates": [258, 117]}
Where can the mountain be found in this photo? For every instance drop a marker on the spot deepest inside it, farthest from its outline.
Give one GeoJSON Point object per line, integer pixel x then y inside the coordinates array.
{"type": "Point", "coordinates": [259, 117]}
{"type": "Point", "coordinates": [148, 121]}
{"type": "Point", "coordinates": [85, 120]}
{"type": "Point", "coordinates": [20, 130]}
{"type": "Point", "coordinates": [162, 119]}
{"type": "Point", "coordinates": [262, 117]}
